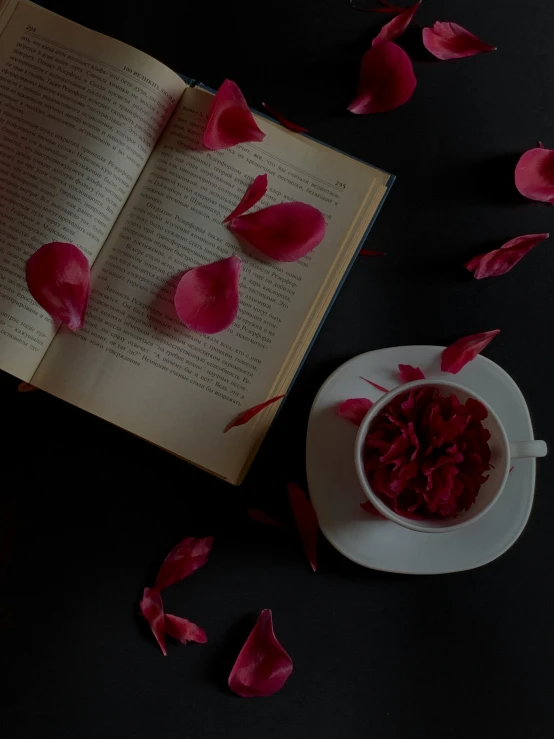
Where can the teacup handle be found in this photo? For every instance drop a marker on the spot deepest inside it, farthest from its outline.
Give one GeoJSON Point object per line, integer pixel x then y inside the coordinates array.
{"type": "Point", "coordinates": [527, 449]}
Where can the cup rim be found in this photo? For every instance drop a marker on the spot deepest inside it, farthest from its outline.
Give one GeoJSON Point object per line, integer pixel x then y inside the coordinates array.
{"type": "Point", "coordinates": [387, 512]}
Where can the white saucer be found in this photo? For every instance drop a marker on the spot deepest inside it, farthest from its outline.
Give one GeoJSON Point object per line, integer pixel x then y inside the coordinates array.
{"type": "Point", "coordinates": [336, 493]}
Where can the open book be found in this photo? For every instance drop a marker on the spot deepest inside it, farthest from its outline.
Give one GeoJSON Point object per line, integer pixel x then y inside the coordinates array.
{"type": "Point", "coordinates": [100, 145]}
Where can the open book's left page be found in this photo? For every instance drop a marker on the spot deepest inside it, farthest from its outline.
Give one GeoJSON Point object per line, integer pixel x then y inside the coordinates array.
{"type": "Point", "coordinates": [80, 114]}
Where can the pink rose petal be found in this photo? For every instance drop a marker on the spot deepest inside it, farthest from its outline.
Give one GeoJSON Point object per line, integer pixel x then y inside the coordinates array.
{"type": "Point", "coordinates": [184, 559]}
{"type": "Point", "coordinates": [152, 609]}
{"type": "Point", "coordinates": [284, 121]}
{"type": "Point", "coordinates": [207, 297]}
{"type": "Point", "coordinates": [285, 232]}
{"type": "Point", "coordinates": [354, 409]}
{"type": "Point", "coordinates": [387, 80]}
{"type": "Point", "coordinates": [58, 278]}
{"type": "Point", "coordinates": [371, 253]}
{"type": "Point", "coordinates": [306, 521]}
{"type": "Point", "coordinates": [375, 385]}
{"type": "Point", "coordinates": [534, 174]}
{"type": "Point", "coordinates": [499, 261]}
{"type": "Point", "coordinates": [262, 517]}
{"type": "Point", "coordinates": [409, 373]}
{"type": "Point", "coordinates": [263, 666]}
{"type": "Point", "coordinates": [248, 414]}
{"type": "Point", "coordinates": [183, 630]}
{"type": "Point", "coordinates": [253, 194]}
{"type": "Point", "coordinates": [230, 121]}
{"type": "Point", "coordinates": [451, 41]}
{"type": "Point", "coordinates": [397, 25]}
{"type": "Point", "coordinates": [26, 387]}
{"type": "Point", "coordinates": [457, 355]}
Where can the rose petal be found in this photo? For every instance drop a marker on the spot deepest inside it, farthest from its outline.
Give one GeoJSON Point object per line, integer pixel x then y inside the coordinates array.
{"type": "Point", "coordinates": [375, 385]}
{"type": "Point", "coordinates": [152, 609]}
{"type": "Point", "coordinates": [253, 194]}
{"type": "Point", "coordinates": [183, 630]}
{"type": "Point", "coordinates": [371, 253]}
{"type": "Point", "coordinates": [26, 387]}
{"type": "Point", "coordinates": [354, 409]}
{"type": "Point", "coordinates": [263, 666]}
{"type": "Point", "coordinates": [284, 121]}
{"type": "Point", "coordinates": [499, 261]}
{"type": "Point", "coordinates": [262, 517]}
{"type": "Point", "coordinates": [184, 559]}
{"type": "Point", "coordinates": [285, 232]}
{"type": "Point", "coordinates": [397, 25]}
{"type": "Point", "coordinates": [58, 278]}
{"type": "Point", "coordinates": [387, 80]}
{"type": "Point", "coordinates": [534, 175]}
{"type": "Point", "coordinates": [306, 521]}
{"type": "Point", "coordinates": [409, 373]}
{"type": "Point", "coordinates": [451, 41]}
{"type": "Point", "coordinates": [458, 354]}
{"type": "Point", "coordinates": [230, 121]}
{"type": "Point", "coordinates": [248, 414]}
{"type": "Point", "coordinates": [207, 297]}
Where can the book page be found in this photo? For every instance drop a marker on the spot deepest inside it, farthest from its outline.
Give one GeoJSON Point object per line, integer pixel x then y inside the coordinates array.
{"type": "Point", "coordinates": [136, 364]}
{"type": "Point", "coordinates": [80, 114]}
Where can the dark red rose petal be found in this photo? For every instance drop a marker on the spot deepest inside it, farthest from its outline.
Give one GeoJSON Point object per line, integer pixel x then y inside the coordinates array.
{"type": "Point", "coordinates": [284, 121]}
{"type": "Point", "coordinates": [152, 609]}
{"type": "Point", "coordinates": [397, 25]}
{"type": "Point", "coordinates": [230, 121]}
{"type": "Point", "coordinates": [387, 80]}
{"type": "Point", "coordinates": [184, 559]}
{"type": "Point", "coordinates": [409, 373]}
{"type": "Point", "coordinates": [354, 409]}
{"type": "Point", "coordinates": [464, 350]}
{"type": "Point", "coordinates": [262, 517]}
{"type": "Point", "coordinates": [248, 414]}
{"type": "Point", "coordinates": [451, 41]}
{"type": "Point", "coordinates": [183, 630]}
{"type": "Point", "coordinates": [253, 195]}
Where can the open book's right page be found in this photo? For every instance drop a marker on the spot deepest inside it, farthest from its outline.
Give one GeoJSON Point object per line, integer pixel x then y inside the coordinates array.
{"type": "Point", "coordinates": [135, 364]}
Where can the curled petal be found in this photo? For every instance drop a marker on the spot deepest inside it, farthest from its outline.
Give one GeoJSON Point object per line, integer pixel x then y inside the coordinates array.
{"type": "Point", "coordinates": [248, 414]}
{"type": "Point", "coordinates": [262, 517]}
{"type": "Point", "coordinates": [354, 409]}
{"type": "Point", "coordinates": [458, 354]}
{"type": "Point", "coordinates": [387, 79]}
{"type": "Point", "coordinates": [183, 630]}
{"type": "Point", "coordinates": [254, 194]}
{"type": "Point", "coordinates": [152, 609]}
{"type": "Point", "coordinates": [184, 559]}
{"type": "Point", "coordinates": [534, 175]}
{"type": "Point", "coordinates": [284, 121]}
{"type": "Point", "coordinates": [263, 666]}
{"type": "Point", "coordinates": [451, 41]}
{"type": "Point", "coordinates": [230, 121]}
{"type": "Point", "coordinates": [58, 278]}
{"type": "Point", "coordinates": [285, 232]}
{"type": "Point", "coordinates": [207, 297]}
{"type": "Point", "coordinates": [397, 25]}
{"type": "Point", "coordinates": [409, 373]}
{"type": "Point", "coordinates": [306, 521]}
{"type": "Point", "coordinates": [500, 261]}
{"type": "Point", "coordinates": [375, 385]}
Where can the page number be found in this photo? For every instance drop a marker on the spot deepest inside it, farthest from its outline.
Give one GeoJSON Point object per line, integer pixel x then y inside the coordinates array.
{"type": "Point", "coordinates": [31, 29]}
{"type": "Point", "coordinates": [342, 185]}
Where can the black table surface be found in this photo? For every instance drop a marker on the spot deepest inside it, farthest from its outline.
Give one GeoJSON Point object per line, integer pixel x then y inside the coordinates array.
{"type": "Point", "coordinates": [88, 511]}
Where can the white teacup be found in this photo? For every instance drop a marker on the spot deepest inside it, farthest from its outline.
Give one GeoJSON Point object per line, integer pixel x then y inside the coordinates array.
{"type": "Point", "coordinates": [502, 453]}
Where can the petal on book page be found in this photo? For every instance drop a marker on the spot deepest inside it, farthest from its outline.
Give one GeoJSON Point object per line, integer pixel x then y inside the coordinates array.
{"type": "Point", "coordinates": [58, 278]}
{"type": "Point", "coordinates": [397, 25]}
{"type": "Point", "coordinates": [284, 121]}
{"type": "Point", "coordinates": [207, 297]}
{"type": "Point", "coordinates": [534, 175]}
{"type": "Point", "coordinates": [387, 79]}
{"type": "Point", "coordinates": [306, 521]}
{"type": "Point", "coordinates": [263, 666]}
{"type": "Point", "coordinates": [253, 195]}
{"type": "Point", "coordinates": [184, 559]}
{"type": "Point", "coordinates": [183, 630]}
{"type": "Point", "coordinates": [230, 121]}
{"type": "Point", "coordinates": [285, 232]}
{"type": "Point", "coordinates": [451, 41]}
{"type": "Point", "coordinates": [153, 611]}
{"type": "Point", "coordinates": [500, 261]}
{"type": "Point", "coordinates": [248, 414]}
{"type": "Point", "coordinates": [457, 355]}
